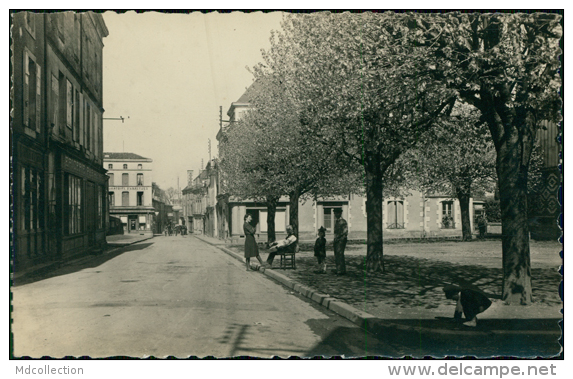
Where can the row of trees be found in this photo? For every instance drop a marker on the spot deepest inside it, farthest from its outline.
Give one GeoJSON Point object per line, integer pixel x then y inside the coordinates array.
{"type": "Point", "coordinates": [370, 102]}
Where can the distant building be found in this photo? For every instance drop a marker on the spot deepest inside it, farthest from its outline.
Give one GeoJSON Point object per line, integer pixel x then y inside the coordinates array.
{"type": "Point", "coordinates": [195, 201]}
{"type": "Point", "coordinates": [130, 190]}
{"type": "Point", "coordinates": [59, 200]}
{"type": "Point", "coordinates": [414, 216]}
{"type": "Point", "coordinates": [187, 202]}
{"type": "Point", "coordinates": [161, 207]}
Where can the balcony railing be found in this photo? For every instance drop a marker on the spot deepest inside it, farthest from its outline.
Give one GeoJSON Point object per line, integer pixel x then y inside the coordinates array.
{"type": "Point", "coordinates": [396, 225]}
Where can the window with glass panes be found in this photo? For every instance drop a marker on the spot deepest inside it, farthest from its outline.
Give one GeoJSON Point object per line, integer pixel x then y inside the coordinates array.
{"type": "Point", "coordinates": [329, 219]}
{"type": "Point", "coordinates": [100, 202]}
{"type": "Point", "coordinates": [30, 19]}
{"type": "Point", "coordinates": [74, 204]}
{"type": "Point", "coordinates": [139, 179]}
{"type": "Point", "coordinates": [32, 203]}
{"type": "Point", "coordinates": [32, 92]}
{"type": "Point", "coordinates": [448, 214]}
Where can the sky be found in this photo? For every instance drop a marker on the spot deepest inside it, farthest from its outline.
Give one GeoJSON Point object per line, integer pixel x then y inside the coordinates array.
{"type": "Point", "coordinates": [170, 73]}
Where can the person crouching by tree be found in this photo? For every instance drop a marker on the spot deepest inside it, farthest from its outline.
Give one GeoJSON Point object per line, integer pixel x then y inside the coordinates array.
{"type": "Point", "coordinates": [288, 243]}
{"type": "Point", "coordinates": [469, 301]}
{"type": "Point", "coordinates": [340, 239]}
{"type": "Point", "coordinates": [251, 247]}
{"type": "Point", "coordinates": [320, 251]}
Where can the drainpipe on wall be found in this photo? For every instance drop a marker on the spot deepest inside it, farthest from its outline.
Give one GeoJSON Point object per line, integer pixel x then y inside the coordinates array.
{"type": "Point", "coordinates": [423, 214]}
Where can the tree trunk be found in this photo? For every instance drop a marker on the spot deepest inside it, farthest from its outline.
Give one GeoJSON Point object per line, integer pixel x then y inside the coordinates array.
{"type": "Point", "coordinates": [293, 212]}
{"type": "Point", "coordinates": [271, 212]}
{"type": "Point", "coordinates": [463, 196]}
{"type": "Point", "coordinates": [513, 135]}
{"type": "Point", "coordinates": [374, 199]}
{"type": "Point", "coordinates": [512, 181]}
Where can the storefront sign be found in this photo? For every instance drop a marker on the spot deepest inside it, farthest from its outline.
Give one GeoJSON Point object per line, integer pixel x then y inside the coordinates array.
{"type": "Point", "coordinates": [138, 188]}
{"type": "Point", "coordinates": [74, 167]}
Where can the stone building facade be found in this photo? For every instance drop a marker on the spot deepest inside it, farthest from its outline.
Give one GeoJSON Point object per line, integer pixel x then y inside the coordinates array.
{"type": "Point", "coordinates": [59, 200]}
{"type": "Point", "coordinates": [130, 190]}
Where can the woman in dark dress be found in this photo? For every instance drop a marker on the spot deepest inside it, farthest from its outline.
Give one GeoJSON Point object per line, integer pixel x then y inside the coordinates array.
{"type": "Point", "coordinates": [251, 248]}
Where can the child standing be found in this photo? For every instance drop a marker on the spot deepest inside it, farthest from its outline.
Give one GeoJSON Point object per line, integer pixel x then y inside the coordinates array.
{"type": "Point", "coordinates": [320, 251]}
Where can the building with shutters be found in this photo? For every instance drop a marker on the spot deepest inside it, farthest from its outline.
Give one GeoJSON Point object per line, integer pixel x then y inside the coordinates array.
{"type": "Point", "coordinates": [417, 215]}
{"type": "Point", "coordinates": [130, 194]}
{"type": "Point", "coordinates": [59, 186]}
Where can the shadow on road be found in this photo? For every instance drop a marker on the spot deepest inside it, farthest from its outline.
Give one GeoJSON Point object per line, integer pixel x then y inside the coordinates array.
{"type": "Point", "coordinates": [76, 265]}
{"type": "Point", "coordinates": [446, 337]}
{"type": "Point", "coordinates": [414, 282]}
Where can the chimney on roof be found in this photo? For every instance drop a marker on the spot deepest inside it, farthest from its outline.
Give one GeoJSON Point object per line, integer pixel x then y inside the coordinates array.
{"type": "Point", "coordinates": [189, 177]}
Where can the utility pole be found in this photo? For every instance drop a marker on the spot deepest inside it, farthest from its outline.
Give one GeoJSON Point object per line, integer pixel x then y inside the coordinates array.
{"type": "Point", "coordinates": [116, 118]}
{"type": "Point", "coordinates": [209, 149]}
{"type": "Point", "coordinates": [122, 121]}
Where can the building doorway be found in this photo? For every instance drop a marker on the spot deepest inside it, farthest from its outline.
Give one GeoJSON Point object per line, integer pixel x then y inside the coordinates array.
{"type": "Point", "coordinates": [132, 224]}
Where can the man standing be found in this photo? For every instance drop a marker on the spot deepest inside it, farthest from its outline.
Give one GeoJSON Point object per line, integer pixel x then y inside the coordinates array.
{"type": "Point", "coordinates": [482, 225]}
{"type": "Point", "coordinates": [340, 239]}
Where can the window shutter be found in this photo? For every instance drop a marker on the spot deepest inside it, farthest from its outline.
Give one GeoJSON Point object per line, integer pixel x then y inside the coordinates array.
{"type": "Point", "coordinates": [76, 116]}
{"type": "Point", "coordinates": [69, 103]}
{"type": "Point", "coordinates": [96, 132]}
{"type": "Point", "coordinates": [38, 96]}
{"type": "Point", "coordinates": [400, 212]}
{"type": "Point", "coordinates": [55, 102]}
{"type": "Point", "coordinates": [26, 88]}
{"type": "Point", "coordinates": [82, 123]}
{"type": "Point", "coordinates": [391, 212]}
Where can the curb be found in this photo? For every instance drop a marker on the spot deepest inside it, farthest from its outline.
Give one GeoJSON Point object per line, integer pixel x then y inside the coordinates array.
{"type": "Point", "coordinates": [120, 245]}
{"type": "Point", "coordinates": [370, 323]}
{"type": "Point", "coordinates": [357, 317]}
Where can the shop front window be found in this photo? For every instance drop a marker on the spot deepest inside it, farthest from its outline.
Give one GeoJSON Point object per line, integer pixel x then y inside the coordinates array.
{"type": "Point", "coordinates": [74, 204]}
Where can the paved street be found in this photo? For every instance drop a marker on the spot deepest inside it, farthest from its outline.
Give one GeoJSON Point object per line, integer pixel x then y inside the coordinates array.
{"type": "Point", "coordinates": [174, 296]}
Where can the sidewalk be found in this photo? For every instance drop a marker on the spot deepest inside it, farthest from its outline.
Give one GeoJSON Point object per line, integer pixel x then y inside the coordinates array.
{"type": "Point", "coordinates": [114, 242]}
{"type": "Point", "coordinates": [120, 240]}
{"type": "Point", "coordinates": [406, 304]}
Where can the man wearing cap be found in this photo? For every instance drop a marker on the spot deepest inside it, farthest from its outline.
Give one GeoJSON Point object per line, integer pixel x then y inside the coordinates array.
{"type": "Point", "coordinates": [340, 239]}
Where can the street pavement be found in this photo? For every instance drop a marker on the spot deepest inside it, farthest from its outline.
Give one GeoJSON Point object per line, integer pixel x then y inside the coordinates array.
{"type": "Point", "coordinates": [406, 308]}
{"type": "Point", "coordinates": [175, 296]}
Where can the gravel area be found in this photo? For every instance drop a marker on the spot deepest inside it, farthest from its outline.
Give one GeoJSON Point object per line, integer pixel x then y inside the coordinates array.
{"type": "Point", "coordinates": [411, 287]}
